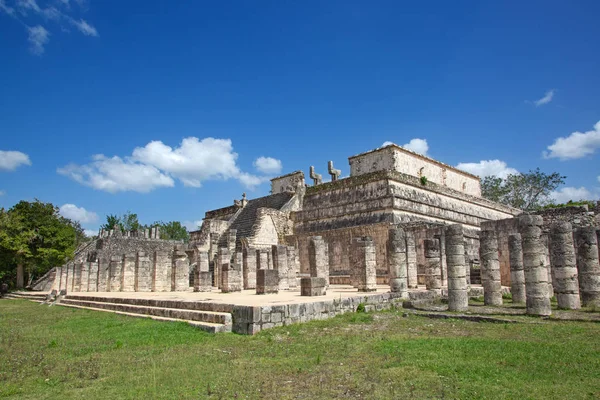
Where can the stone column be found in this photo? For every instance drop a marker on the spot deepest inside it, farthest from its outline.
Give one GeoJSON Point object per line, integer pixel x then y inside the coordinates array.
{"type": "Point", "coordinates": [397, 261]}
{"type": "Point", "coordinates": [249, 260]}
{"type": "Point", "coordinates": [517, 274]}
{"type": "Point", "coordinates": [262, 259]}
{"type": "Point", "coordinates": [143, 272]}
{"type": "Point", "coordinates": [545, 242]}
{"type": "Point", "coordinates": [279, 257]}
{"type": "Point", "coordinates": [490, 268]}
{"type": "Point", "coordinates": [128, 272]}
{"type": "Point", "coordinates": [433, 273]}
{"type": "Point", "coordinates": [231, 274]}
{"type": "Point", "coordinates": [56, 283]}
{"type": "Point", "coordinates": [587, 263]}
{"type": "Point", "coordinates": [63, 278]}
{"type": "Point", "coordinates": [161, 272]}
{"type": "Point", "coordinates": [84, 277]}
{"type": "Point", "coordinates": [536, 272]}
{"type": "Point", "coordinates": [231, 238]}
{"type": "Point", "coordinates": [71, 278]}
{"type": "Point", "coordinates": [318, 258]}
{"type": "Point", "coordinates": [77, 277]}
{"type": "Point", "coordinates": [458, 297]}
{"type": "Point", "coordinates": [103, 275]}
{"type": "Point", "coordinates": [202, 277]}
{"type": "Point", "coordinates": [292, 267]}
{"type": "Point", "coordinates": [222, 262]}
{"type": "Point", "coordinates": [115, 274]}
{"type": "Point", "coordinates": [181, 270]}
{"type": "Point", "coordinates": [411, 261]}
{"type": "Point", "coordinates": [443, 266]}
{"type": "Point", "coordinates": [362, 255]}
{"type": "Point", "coordinates": [93, 276]}
{"type": "Point", "coordinates": [564, 266]}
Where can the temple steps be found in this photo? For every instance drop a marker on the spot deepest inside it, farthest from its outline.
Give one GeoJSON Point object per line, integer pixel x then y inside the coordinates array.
{"type": "Point", "coordinates": [37, 297]}
{"type": "Point", "coordinates": [207, 320]}
{"type": "Point", "coordinates": [202, 325]}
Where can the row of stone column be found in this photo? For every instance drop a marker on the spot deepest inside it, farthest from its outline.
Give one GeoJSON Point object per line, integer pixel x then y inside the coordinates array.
{"type": "Point", "coordinates": [131, 272]}
{"type": "Point", "coordinates": [266, 270]}
{"type": "Point", "coordinates": [569, 269]}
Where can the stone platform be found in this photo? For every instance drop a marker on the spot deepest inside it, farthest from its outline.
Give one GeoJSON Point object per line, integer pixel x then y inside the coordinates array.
{"type": "Point", "coordinates": [242, 312]}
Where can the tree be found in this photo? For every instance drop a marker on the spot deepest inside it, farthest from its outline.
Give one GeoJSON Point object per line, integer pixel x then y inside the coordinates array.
{"type": "Point", "coordinates": [172, 230]}
{"type": "Point", "coordinates": [527, 191]}
{"type": "Point", "coordinates": [34, 237]}
{"type": "Point", "coordinates": [127, 222]}
{"type": "Point", "coordinates": [112, 221]}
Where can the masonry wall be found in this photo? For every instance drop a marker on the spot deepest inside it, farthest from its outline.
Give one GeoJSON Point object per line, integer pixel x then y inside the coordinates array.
{"type": "Point", "coordinates": [399, 159]}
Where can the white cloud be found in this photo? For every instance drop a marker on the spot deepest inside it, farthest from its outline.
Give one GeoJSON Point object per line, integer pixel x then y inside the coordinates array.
{"type": "Point", "coordinates": [117, 175]}
{"type": "Point", "coordinates": [268, 165]}
{"type": "Point", "coordinates": [90, 232]}
{"type": "Point", "coordinates": [78, 214]}
{"type": "Point", "coordinates": [572, 193]}
{"type": "Point", "coordinates": [2, 192]}
{"type": "Point", "coordinates": [417, 145]}
{"type": "Point", "coordinates": [192, 225]}
{"type": "Point", "coordinates": [576, 145]}
{"type": "Point", "coordinates": [156, 165]}
{"type": "Point", "coordinates": [11, 160]}
{"type": "Point", "coordinates": [488, 168]}
{"type": "Point", "coordinates": [38, 38]}
{"type": "Point", "coordinates": [8, 10]}
{"type": "Point", "coordinates": [84, 27]}
{"type": "Point", "coordinates": [546, 99]}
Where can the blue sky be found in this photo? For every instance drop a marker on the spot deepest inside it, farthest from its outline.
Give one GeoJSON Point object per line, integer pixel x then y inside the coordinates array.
{"type": "Point", "coordinates": [169, 109]}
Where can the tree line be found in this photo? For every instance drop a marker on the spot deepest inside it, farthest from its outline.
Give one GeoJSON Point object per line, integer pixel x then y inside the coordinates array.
{"type": "Point", "coordinates": [172, 230]}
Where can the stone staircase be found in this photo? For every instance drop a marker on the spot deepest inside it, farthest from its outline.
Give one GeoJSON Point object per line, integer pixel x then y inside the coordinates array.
{"type": "Point", "coordinates": [209, 317]}
{"type": "Point", "coordinates": [33, 296]}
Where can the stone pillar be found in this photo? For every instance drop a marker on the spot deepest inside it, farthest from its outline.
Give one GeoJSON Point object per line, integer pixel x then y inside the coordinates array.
{"type": "Point", "coordinates": [433, 273]}
{"type": "Point", "coordinates": [546, 247]}
{"type": "Point", "coordinates": [292, 267]}
{"type": "Point", "coordinates": [267, 281]}
{"type": "Point", "coordinates": [222, 262]}
{"type": "Point", "coordinates": [77, 277]}
{"type": "Point", "coordinates": [397, 261]}
{"type": "Point", "coordinates": [517, 274]}
{"type": "Point", "coordinates": [64, 276]}
{"type": "Point", "coordinates": [71, 278]}
{"type": "Point", "coordinates": [128, 272]}
{"type": "Point", "coordinates": [180, 281]}
{"type": "Point", "coordinates": [362, 254]}
{"type": "Point", "coordinates": [56, 283]}
{"type": "Point", "coordinates": [249, 260]}
{"type": "Point", "coordinates": [202, 277]}
{"type": "Point", "coordinates": [231, 274]}
{"type": "Point", "coordinates": [536, 272]}
{"type": "Point", "coordinates": [318, 258]}
{"type": "Point", "coordinates": [231, 237]}
{"type": "Point", "coordinates": [93, 276]}
{"type": "Point", "coordinates": [103, 275]}
{"type": "Point", "coordinates": [262, 259]}
{"type": "Point", "coordinates": [443, 266]}
{"type": "Point", "coordinates": [564, 266]}
{"type": "Point", "coordinates": [588, 266]}
{"type": "Point", "coordinates": [161, 272]}
{"type": "Point", "coordinates": [279, 257]}
{"type": "Point", "coordinates": [115, 277]}
{"type": "Point", "coordinates": [490, 268]}
{"type": "Point", "coordinates": [458, 297]}
{"type": "Point", "coordinates": [143, 272]}
{"type": "Point", "coordinates": [84, 277]}
{"type": "Point", "coordinates": [411, 261]}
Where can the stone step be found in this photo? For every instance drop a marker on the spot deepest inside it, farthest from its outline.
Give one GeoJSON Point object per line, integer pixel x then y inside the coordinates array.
{"type": "Point", "coordinates": [179, 304]}
{"type": "Point", "coordinates": [26, 296]}
{"type": "Point", "coordinates": [205, 326]}
{"type": "Point", "coordinates": [166, 312]}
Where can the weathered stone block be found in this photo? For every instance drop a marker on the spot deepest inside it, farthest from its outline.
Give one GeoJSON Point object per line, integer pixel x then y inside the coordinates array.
{"type": "Point", "coordinates": [161, 272]}
{"type": "Point", "coordinates": [249, 266]}
{"type": "Point", "coordinates": [143, 272]}
{"type": "Point", "coordinates": [128, 284]}
{"type": "Point", "coordinates": [267, 281]}
{"type": "Point", "coordinates": [313, 286]}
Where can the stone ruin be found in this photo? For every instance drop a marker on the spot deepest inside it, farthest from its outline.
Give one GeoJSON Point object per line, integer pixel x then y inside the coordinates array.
{"type": "Point", "coordinates": [382, 225]}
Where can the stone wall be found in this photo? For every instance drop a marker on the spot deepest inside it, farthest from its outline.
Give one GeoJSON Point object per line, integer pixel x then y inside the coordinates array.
{"type": "Point", "coordinates": [396, 158]}
{"type": "Point", "coordinates": [288, 182]}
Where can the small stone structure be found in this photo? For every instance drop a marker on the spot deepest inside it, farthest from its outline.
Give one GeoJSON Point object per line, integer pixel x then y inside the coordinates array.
{"type": "Point", "coordinates": [267, 281]}
{"type": "Point", "coordinates": [364, 265]}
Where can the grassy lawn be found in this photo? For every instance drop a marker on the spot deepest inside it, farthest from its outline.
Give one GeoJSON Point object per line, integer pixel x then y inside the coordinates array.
{"type": "Point", "coordinates": [56, 352]}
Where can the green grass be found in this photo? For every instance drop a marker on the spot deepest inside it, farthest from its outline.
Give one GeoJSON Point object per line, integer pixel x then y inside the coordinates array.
{"type": "Point", "coordinates": [56, 352]}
